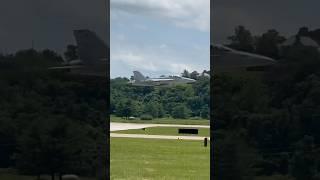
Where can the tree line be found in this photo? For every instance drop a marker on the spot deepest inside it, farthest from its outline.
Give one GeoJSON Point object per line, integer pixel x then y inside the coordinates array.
{"type": "Point", "coordinates": [181, 101]}
{"type": "Point", "coordinates": [266, 124]}
{"type": "Point", "coordinates": [51, 122]}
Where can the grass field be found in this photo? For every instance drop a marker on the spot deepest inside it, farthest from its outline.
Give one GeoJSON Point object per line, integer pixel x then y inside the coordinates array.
{"type": "Point", "coordinates": [137, 159]}
{"type": "Point", "coordinates": [8, 176]}
{"type": "Point", "coordinates": [163, 121]}
{"type": "Point", "coordinates": [12, 176]}
{"type": "Point", "coordinates": [164, 131]}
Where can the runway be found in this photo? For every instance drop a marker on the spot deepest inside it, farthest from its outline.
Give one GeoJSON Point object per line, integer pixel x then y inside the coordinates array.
{"type": "Point", "coordinates": [127, 126]}
{"type": "Point", "coordinates": [157, 136]}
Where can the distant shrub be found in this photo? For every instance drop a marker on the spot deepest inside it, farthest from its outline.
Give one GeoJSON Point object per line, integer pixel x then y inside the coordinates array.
{"type": "Point", "coordinates": [196, 118]}
{"type": "Point", "coordinates": [276, 177]}
{"type": "Point", "coordinates": [146, 117]}
{"type": "Point", "coordinates": [180, 111]}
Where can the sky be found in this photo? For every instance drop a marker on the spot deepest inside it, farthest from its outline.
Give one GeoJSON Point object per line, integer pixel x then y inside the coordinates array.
{"type": "Point", "coordinates": [159, 37]}
{"type": "Point", "coordinates": [49, 24]}
{"type": "Point", "coordinates": [286, 16]}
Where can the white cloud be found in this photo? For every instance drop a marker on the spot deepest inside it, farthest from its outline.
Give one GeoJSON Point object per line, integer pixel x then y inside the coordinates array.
{"type": "Point", "coordinates": [150, 62]}
{"type": "Point", "coordinates": [180, 67]}
{"type": "Point", "coordinates": [138, 61]}
{"type": "Point", "coordinates": [193, 14]}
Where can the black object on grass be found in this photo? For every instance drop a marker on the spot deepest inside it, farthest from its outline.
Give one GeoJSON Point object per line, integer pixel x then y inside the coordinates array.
{"type": "Point", "coordinates": [188, 131]}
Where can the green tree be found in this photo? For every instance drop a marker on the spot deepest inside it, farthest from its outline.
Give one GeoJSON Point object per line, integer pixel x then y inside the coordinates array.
{"type": "Point", "coordinates": [71, 53]}
{"type": "Point", "coordinates": [57, 146]}
{"type": "Point", "coordinates": [185, 73]}
{"type": "Point", "coordinates": [180, 111]}
{"type": "Point", "coordinates": [194, 75]}
{"type": "Point", "coordinates": [242, 39]}
{"type": "Point", "coordinates": [153, 108]}
{"type": "Point", "coordinates": [233, 157]}
{"type": "Point", "coordinates": [304, 159]}
{"type": "Point", "coordinates": [303, 31]}
{"type": "Point", "coordinates": [204, 113]}
{"type": "Point", "coordinates": [268, 43]}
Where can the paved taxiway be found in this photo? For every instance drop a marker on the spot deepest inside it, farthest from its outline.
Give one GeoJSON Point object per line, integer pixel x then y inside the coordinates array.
{"type": "Point", "coordinates": [127, 126]}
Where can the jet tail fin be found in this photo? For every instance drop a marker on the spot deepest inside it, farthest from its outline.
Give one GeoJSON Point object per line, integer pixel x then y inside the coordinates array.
{"type": "Point", "coordinates": [90, 47]}
{"type": "Point", "coordinates": [138, 76]}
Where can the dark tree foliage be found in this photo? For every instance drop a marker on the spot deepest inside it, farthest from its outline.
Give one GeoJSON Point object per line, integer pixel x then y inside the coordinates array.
{"type": "Point", "coordinates": [242, 39]}
{"type": "Point", "coordinates": [51, 122]}
{"type": "Point", "coordinates": [182, 101]}
{"type": "Point", "coordinates": [71, 53]}
{"type": "Point", "coordinates": [268, 43]}
{"type": "Point", "coordinates": [275, 114]}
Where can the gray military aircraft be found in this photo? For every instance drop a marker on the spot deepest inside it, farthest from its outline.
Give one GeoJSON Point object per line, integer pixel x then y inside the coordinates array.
{"type": "Point", "coordinates": [92, 52]}
{"type": "Point", "coordinates": [140, 80]}
{"type": "Point", "coordinates": [93, 60]}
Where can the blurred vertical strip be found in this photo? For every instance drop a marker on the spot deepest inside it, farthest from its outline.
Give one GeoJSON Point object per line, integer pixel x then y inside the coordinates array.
{"type": "Point", "coordinates": [107, 126]}
{"type": "Point", "coordinates": [211, 93]}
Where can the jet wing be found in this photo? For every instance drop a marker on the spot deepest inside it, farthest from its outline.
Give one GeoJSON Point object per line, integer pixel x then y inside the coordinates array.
{"type": "Point", "coordinates": [226, 58]}
{"type": "Point", "coordinates": [160, 80]}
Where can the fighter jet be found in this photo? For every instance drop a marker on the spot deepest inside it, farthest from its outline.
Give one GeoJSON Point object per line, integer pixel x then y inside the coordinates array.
{"type": "Point", "coordinates": [92, 52]}
{"type": "Point", "coordinates": [140, 80]}
{"type": "Point", "coordinates": [228, 59]}
{"type": "Point", "coordinates": [93, 59]}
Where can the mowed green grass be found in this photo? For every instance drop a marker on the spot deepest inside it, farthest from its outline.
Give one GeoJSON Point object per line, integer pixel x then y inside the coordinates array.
{"type": "Point", "coordinates": [10, 176]}
{"type": "Point", "coordinates": [154, 159]}
{"type": "Point", "coordinates": [7, 176]}
{"type": "Point", "coordinates": [164, 131]}
{"type": "Point", "coordinates": [163, 121]}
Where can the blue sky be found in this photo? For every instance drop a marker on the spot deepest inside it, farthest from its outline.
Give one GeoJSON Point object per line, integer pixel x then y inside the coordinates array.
{"type": "Point", "coordinates": [159, 37]}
